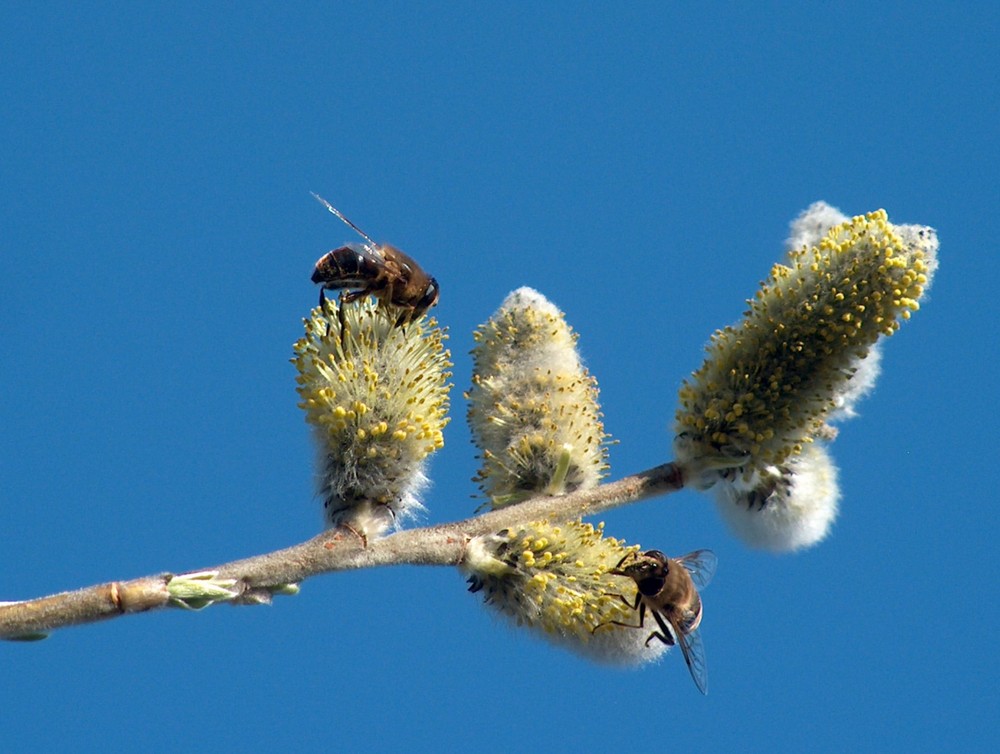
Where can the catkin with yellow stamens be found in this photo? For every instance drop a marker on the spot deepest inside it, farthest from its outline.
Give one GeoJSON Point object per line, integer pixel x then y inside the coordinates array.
{"type": "Point", "coordinates": [376, 396]}
{"type": "Point", "coordinates": [801, 357]}
{"type": "Point", "coordinates": [533, 407]}
{"type": "Point", "coordinates": [554, 579]}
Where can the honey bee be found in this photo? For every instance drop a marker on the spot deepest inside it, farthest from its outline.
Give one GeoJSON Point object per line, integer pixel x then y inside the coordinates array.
{"type": "Point", "coordinates": [375, 269]}
{"type": "Point", "coordinates": [668, 589]}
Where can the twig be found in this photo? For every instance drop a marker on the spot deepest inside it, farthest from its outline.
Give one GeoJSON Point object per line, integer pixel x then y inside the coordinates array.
{"type": "Point", "coordinates": [252, 580]}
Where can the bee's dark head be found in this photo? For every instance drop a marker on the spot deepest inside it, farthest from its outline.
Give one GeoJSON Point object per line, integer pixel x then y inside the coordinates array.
{"type": "Point", "coordinates": [659, 557]}
{"type": "Point", "coordinates": [649, 571]}
{"type": "Point", "coordinates": [430, 297]}
{"type": "Point", "coordinates": [325, 274]}
{"type": "Point", "coordinates": [651, 563]}
{"type": "Point", "coordinates": [321, 270]}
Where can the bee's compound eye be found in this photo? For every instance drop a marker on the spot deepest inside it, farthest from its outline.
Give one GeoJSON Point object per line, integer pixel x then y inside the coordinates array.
{"type": "Point", "coordinates": [430, 296]}
{"type": "Point", "coordinates": [327, 268]}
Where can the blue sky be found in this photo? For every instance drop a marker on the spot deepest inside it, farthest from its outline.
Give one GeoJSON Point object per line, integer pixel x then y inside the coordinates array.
{"type": "Point", "coordinates": [637, 165]}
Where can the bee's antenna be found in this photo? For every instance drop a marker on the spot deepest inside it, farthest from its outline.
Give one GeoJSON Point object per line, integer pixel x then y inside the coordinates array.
{"type": "Point", "coordinates": [339, 214]}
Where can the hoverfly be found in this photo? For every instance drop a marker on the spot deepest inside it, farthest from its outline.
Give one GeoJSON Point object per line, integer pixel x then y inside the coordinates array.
{"type": "Point", "coordinates": [668, 589]}
{"type": "Point", "coordinates": [375, 269]}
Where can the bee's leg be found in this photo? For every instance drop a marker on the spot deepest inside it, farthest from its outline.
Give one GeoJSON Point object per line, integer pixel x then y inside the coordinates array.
{"type": "Point", "coordinates": [627, 556]}
{"type": "Point", "coordinates": [637, 604]}
{"type": "Point", "coordinates": [634, 604]}
{"type": "Point", "coordinates": [322, 310]}
{"type": "Point", "coordinates": [350, 296]}
{"type": "Point", "coordinates": [664, 634]}
{"type": "Point", "coordinates": [343, 322]}
{"type": "Point", "coordinates": [642, 616]}
{"type": "Point", "coordinates": [613, 623]}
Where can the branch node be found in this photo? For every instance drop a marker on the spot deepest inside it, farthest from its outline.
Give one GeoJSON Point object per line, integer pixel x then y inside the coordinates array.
{"type": "Point", "coordinates": [359, 534]}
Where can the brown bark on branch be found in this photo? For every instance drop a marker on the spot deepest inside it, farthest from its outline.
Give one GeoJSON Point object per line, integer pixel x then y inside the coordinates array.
{"type": "Point", "coordinates": [335, 550]}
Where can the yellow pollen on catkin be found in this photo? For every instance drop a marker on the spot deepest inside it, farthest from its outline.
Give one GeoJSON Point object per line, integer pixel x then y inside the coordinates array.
{"type": "Point", "coordinates": [555, 579]}
{"type": "Point", "coordinates": [533, 407]}
{"type": "Point", "coordinates": [812, 321]}
{"type": "Point", "coordinates": [358, 390]}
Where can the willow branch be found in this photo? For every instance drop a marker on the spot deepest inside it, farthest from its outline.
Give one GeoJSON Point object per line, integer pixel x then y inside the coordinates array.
{"type": "Point", "coordinates": [254, 579]}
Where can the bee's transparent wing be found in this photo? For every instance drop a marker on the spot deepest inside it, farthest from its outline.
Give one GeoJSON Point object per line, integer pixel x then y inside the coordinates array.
{"type": "Point", "coordinates": [694, 656]}
{"type": "Point", "coordinates": [370, 251]}
{"type": "Point", "coordinates": [701, 565]}
{"type": "Point", "coordinates": [343, 219]}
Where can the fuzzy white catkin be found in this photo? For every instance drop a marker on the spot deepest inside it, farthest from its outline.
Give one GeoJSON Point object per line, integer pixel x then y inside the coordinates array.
{"type": "Point", "coordinates": [376, 395]}
{"type": "Point", "coordinates": [812, 224]}
{"type": "Point", "coordinates": [553, 579]}
{"type": "Point", "coordinates": [806, 231]}
{"type": "Point", "coordinates": [798, 513]}
{"type": "Point", "coordinates": [805, 353]}
{"type": "Point", "coordinates": [533, 407]}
